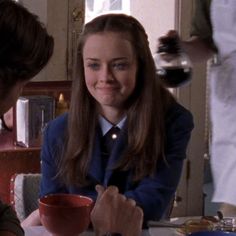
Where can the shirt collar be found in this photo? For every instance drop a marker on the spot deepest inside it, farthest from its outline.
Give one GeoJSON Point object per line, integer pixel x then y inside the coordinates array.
{"type": "Point", "coordinates": [106, 125]}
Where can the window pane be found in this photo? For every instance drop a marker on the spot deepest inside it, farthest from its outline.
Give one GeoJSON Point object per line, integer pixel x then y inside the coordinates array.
{"type": "Point", "coordinates": [115, 5]}
{"type": "Point", "coordinates": [98, 7]}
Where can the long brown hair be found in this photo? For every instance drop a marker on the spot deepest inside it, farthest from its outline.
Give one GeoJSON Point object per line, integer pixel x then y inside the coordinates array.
{"type": "Point", "coordinates": [145, 113]}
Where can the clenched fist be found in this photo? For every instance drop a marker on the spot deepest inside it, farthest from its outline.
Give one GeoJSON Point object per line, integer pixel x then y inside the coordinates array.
{"type": "Point", "coordinates": [114, 213]}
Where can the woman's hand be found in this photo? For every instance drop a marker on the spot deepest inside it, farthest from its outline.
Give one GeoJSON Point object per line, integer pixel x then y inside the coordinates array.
{"type": "Point", "coordinates": [114, 213]}
{"type": "Point", "coordinates": [32, 220]}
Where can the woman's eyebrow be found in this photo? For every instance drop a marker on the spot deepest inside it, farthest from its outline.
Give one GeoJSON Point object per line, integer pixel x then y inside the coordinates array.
{"type": "Point", "coordinates": [114, 59]}
{"type": "Point", "coordinates": [120, 58]}
{"type": "Point", "coordinates": [91, 59]}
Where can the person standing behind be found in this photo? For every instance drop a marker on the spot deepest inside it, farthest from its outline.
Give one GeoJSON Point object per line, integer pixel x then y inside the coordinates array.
{"type": "Point", "coordinates": [213, 35]}
{"type": "Point", "coordinates": [25, 48]}
{"type": "Point", "coordinates": [215, 24]}
{"type": "Point", "coordinates": [116, 87]}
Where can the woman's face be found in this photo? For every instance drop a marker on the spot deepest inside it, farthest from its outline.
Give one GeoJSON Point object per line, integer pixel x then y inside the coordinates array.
{"type": "Point", "coordinates": [110, 69]}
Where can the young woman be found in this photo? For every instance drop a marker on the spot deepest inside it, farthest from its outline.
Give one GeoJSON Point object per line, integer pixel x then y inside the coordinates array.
{"type": "Point", "coordinates": [116, 85]}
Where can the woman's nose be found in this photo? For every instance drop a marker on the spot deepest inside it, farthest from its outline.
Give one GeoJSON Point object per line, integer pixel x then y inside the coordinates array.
{"type": "Point", "coordinates": [106, 74]}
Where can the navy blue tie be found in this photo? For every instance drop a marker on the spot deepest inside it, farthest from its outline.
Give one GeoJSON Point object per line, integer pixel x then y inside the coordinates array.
{"type": "Point", "coordinates": [110, 138]}
{"type": "Point", "coordinates": [108, 141]}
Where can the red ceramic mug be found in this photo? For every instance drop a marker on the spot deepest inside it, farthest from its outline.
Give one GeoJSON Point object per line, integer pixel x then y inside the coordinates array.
{"type": "Point", "coordinates": [65, 214]}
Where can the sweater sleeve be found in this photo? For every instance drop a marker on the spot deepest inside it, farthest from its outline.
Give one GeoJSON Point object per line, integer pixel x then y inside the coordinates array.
{"type": "Point", "coordinates": [154, 193]}
{"type": "Point", "coordinates": [9, 221]}
{"type": "Point", "coordinates": [52, 144]}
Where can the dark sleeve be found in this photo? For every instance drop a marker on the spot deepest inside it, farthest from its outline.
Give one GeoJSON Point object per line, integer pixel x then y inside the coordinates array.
{"type": "Point", "coordinates": [52, 145]}
{"type": "Point", "coordinates": [9, 221]}
{"type": "Point", "coordinates": [154, 194]}
{"type": "Point", "coordinates": [201, 22]}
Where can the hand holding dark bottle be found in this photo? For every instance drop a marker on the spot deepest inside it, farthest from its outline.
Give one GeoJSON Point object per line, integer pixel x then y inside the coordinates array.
{"type": "Point", "coordinates": [173, 67]}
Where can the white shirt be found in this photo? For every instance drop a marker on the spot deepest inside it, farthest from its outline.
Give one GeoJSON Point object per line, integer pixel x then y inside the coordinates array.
{"type": "Point", "coordinates": [106, 125]}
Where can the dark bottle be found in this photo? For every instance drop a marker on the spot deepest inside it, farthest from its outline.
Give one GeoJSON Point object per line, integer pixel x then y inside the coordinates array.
{"type": "Point", "coordinates": [173, 67]}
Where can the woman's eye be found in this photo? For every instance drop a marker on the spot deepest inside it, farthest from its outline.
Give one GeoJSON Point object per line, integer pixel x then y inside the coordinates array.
{"type": "Point", "coordinates": [120, 66]}
{"type": "Point", "coordinates": [93, 66]}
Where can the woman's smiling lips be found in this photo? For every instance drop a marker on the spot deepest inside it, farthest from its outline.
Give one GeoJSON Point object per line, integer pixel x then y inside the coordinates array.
{"type": "Point", "coordinates": [108, 89]}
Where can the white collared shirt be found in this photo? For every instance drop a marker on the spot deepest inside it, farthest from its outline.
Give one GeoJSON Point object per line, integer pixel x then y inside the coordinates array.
{"type": "Point", "coordinates": [106, 125]}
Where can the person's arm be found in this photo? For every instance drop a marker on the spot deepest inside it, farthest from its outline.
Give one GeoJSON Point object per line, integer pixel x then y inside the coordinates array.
{"type": "Point", "coordinates": [198, 49]}
{"type": "Point", "coordinates": [32, 220]}
{"type": "Point", "coordinates": [200, 46]}
{"type": "Point", "coordinates": [153, 194]}
{"type": "Point", "coordinates": [114, 213]}
{"type": "Point", "coordinates": [9, 223]}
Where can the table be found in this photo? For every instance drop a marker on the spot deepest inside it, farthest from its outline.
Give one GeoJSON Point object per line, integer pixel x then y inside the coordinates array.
{"type": "Point", "coordinates": [41, 231]}
{"type": "Point", "coordinates": [172, 231]}
{"type": "Point", "coordinates": [169, 231]}
{"type": "Point", "coordinates": [163, 232]}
